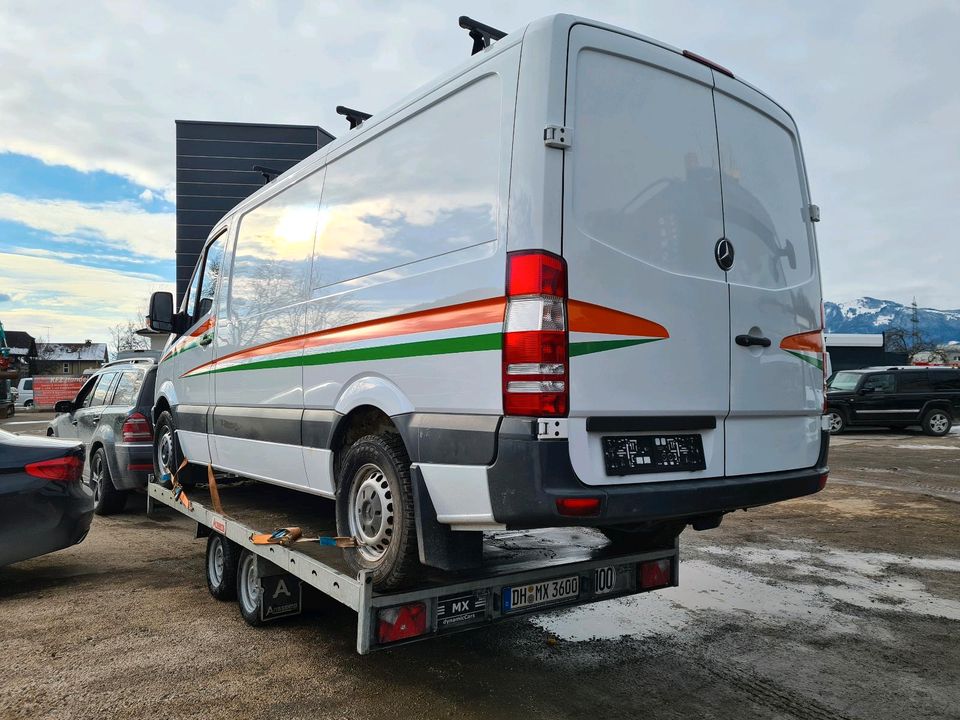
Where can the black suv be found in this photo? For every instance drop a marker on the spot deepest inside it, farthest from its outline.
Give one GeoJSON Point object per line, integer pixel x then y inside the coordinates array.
{"type": "Point", "coordinates": [895, 397]}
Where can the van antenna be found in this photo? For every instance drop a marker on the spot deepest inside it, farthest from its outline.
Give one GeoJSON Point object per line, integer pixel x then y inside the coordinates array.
{"type": "Point", "coordinates": [480, 34]}
{"type": "Point", "coordinates": [268, 173]}
{"type": "Point", "coordinates": [354, 117]}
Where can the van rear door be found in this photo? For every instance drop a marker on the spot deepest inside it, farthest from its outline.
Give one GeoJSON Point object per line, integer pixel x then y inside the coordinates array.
{"type": "Point", "coordinates": [776, 345]}
{"type": "Point", "coordinates": [648, 303]}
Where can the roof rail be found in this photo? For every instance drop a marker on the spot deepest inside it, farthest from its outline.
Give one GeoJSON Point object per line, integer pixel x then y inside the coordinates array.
{"type": "Point", "coordinates": [481, 34]}
{"type": "Point", "coordinates": [354, 117]}
{"type": "Point", "coordinates": [127, 361]}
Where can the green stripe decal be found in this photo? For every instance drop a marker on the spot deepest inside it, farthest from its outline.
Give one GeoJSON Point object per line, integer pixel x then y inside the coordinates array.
{"type": "Point", "coordinates": [588, 348]}
{"type": "Point", "coordinates": [443, 346]}
{"type": "Point", "coordinates": [816, 362]}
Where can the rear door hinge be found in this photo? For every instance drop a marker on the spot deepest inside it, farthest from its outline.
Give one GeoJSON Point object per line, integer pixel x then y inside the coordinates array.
{"type": "Point", "coordinates": [557, 136]}
{"type": "Point", "coordinates": [814, 213]}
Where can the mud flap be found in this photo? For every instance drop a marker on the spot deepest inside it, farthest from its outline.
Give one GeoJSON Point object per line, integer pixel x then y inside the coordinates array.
{"type": "Point", "coordinates": [439, 546]}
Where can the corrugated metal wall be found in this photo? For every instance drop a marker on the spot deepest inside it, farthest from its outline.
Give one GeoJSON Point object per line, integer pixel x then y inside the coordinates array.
{"type": "Point", "coordinates": [215, 172]}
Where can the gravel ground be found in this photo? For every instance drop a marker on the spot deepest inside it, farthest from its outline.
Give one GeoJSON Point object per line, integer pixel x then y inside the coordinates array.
{"type": "Point", "coordinates": [842, 605]}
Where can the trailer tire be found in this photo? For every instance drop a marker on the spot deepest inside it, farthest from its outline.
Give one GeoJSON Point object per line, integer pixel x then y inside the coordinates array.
{"type": "Point", "coordinates": [375, 506]}
{"type": "Point", "coordinates": [248, 589]}
{"type": "Point", "coordinates": [643, 538]}
{"type": "Point", "coordinates": [167, 454]}
{"type": "Point", "coordinates": [222, 560]}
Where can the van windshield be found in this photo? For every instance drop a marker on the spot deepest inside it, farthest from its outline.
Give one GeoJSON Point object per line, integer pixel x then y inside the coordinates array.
{"type": "Point", "coordinates": [844, 381]}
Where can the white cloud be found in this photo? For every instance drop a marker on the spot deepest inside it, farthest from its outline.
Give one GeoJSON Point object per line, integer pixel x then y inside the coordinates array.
{"type": "Point", "coordinates": [147, 195]}
{"type": "Point", "coordinates": [123, 225]}
{"type": "Point", "coordinates": [50, 293]}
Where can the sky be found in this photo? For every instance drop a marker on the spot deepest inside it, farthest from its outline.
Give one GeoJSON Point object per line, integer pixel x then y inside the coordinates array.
{"type": "Point", "coordinates": [90, 93]}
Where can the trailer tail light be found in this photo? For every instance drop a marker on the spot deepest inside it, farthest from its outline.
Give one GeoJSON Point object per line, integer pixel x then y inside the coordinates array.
{"type": "Point", "coordinates": [535, 344]}
{"type": "Point", "coordinates": [578, 506]}
{"type": "Point", "coordinates": [64, 469]}
{"type": "Point", "coordinates": [655, 574]}
{"type": "Point", "coordinates": [136, 428]}
{"type": "Point", "coordinates": [401, 622]}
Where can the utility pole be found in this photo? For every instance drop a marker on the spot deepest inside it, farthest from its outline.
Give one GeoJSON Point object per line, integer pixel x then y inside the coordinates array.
{"type": "Point", "coordinates": [915, 326]}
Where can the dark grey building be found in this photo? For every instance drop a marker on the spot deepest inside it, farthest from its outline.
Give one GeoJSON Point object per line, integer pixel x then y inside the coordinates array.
{"type": "Point", "coordinates": [215, 172]}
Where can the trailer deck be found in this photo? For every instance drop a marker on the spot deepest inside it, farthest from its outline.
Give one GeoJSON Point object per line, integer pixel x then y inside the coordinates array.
{"type": "Point", "coordinates": [523, 572]}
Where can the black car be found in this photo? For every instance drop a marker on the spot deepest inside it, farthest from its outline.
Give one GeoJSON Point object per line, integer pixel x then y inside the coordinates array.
{"type": "Point", "coordinates": [896, 397]}
{"type": "Point", "coordinates": [111, 416]}
{"type": "Point", "coordinates": [44, 504]}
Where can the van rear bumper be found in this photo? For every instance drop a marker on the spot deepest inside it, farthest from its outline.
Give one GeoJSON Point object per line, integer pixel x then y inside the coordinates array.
{"type": "Point", "coordinates": [529, 475]}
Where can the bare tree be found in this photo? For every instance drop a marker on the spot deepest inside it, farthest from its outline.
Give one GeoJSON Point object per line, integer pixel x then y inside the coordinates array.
{"type": "Point", "coordinates": [123, 337]}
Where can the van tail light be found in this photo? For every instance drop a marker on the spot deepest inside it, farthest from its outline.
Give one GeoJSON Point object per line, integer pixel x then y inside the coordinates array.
{"type": "Point", "coordinates": [62, 469]}
{"type": "Point", "coordinates": [579, 506]}
{"type": "Point", "coordinates": [535, 343]}
{"type": "Point", "coordinates": [136, 429]}
{"type": "Point", "coordinates": [401, 623]}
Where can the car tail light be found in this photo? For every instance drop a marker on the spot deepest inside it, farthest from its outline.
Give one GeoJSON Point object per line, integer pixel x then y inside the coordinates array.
{"type": "Point", "coordinates": [655, 574]}
{"type": "Point", "coordinates": [401, 622]}
{"type": "Point", "coordinates": [136, 428]}
{"type": "Point", "coordinates": [535, 345]}
{"type": "Point", "coordinates": [63, 469]}
{"type": "Point", "coordinates": [578, 506]}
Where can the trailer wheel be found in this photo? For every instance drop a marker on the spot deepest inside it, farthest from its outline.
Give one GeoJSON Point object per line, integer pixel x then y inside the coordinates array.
{"type": "Point", "coordinates": [167, 454]}
{"type": "Point", "coordinates": [223, 556]}
{"type": "Point", "coordinates": [375, 506]}
{"type": "Point", "coordinates": [248, 589]}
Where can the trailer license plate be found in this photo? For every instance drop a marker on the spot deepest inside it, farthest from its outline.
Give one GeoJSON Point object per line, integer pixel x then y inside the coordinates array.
{"type": "Point", "coordinates": [641, 454]}
{"type": "Point", "coordinates": [541, 593]}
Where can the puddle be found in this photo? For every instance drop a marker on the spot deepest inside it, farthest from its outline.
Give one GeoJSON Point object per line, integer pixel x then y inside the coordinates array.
{"type": "Point", "coordinates": [772, 586]}
{"type": "Point", "coordinates": [927, 447]}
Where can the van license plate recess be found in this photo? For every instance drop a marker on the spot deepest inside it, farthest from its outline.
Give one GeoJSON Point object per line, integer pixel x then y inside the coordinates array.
{"type": "Point", "coordinates": [547, 592]}
{"type": "Point", "coordinates": [635, 455]}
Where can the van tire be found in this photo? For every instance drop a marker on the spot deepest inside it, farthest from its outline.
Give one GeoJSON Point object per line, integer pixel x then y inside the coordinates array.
{"type": "Point", "coordinates": [937, 422]}
{"type": "Point", "coordinates": [221, 571]}
{"type": "Point", "coordinates": [191, 474]}
{"type": "Point", "coordinates": [107, 500]}
{"type": "Point", "coordinates": [643, 538]}
{"type": "Point", "coordinates": [375, 498]}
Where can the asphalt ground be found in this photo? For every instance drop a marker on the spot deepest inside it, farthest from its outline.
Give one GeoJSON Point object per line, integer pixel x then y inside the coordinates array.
{"type": "Point", "coordinates": [845, 604]}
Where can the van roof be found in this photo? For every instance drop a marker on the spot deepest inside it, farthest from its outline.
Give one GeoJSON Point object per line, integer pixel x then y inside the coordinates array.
{"type": "Point", "coordinates": [558, 24]}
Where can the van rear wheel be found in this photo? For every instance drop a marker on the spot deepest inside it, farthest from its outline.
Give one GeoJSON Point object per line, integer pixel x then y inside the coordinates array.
{"type": "Point", "coordinates": [375, 507]}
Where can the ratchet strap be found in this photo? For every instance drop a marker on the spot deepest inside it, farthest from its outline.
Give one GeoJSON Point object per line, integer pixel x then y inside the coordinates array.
{"type": "Point", "coordinates": [214, 492]}
{"type": "Point", "coordinates": [178, 494]}
{"type": "Point", "coordinates": [289, 535]}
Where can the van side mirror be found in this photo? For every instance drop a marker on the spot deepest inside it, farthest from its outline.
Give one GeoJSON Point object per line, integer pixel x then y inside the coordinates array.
{"type": "Point", "coordinates": [63, 406]}
{"type": "Point", "coordinates": [160, 317]}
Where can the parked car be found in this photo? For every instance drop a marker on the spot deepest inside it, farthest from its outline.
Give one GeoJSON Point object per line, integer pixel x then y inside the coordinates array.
{"type": "Point", "coordinates": [25, 392]}
{"type": "Point", "coordinates": [576, 285]}
{"type": "Point", "coordinates": [111, 416]}
{"type": "Point", "coordinates": [44, 505]}
{"type": "Point", "coordinates": [896, 397]}
{"type": "Point", "coordinates": [8, 398]}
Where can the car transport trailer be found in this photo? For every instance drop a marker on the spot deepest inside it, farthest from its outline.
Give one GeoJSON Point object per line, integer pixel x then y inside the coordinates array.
{"type": "Point", "coordinates": [523, 572]}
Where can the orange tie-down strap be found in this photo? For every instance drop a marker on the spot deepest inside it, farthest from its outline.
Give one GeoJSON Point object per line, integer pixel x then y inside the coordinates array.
{"type": "Point", "coordinates": [289, 535]}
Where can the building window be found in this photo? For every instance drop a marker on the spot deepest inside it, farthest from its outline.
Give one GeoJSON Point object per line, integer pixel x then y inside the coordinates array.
{"type": "Point", "coordinates": [66, 368]}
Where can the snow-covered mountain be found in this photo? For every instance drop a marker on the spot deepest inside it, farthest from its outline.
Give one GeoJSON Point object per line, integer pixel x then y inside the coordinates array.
{"type": "Point", "coordinates": [869, 315]}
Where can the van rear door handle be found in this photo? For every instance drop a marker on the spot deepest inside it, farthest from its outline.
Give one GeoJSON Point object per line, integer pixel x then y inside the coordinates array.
{"type": "Point", "coordinates": [206, 339]}
{"type": "Point", "coordinates": [748, 340]}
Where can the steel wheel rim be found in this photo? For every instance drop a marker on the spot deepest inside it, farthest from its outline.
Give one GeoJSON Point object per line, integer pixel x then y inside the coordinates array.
{"type": "Point", "coordinates": [96, 476]}
{"type": "Point", "coordinates": [371, 512]}
{"type": "Point", "coordinates": [165, 452]}
{"type": "Point", "coordinates": [939, 423]}
{"type": "Point", "coordinates": [836, 422]}
{"type": "Point", "coordinates": [215, 562]}
{"type": "Point", "coordinates": [249, 586]}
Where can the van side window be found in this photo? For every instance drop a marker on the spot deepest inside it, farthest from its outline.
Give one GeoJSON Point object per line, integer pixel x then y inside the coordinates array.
{"type": "Point", "coordinates": [880, 383]}
{"type": "Point", "coordinates": [422, 188]}
{"type": "Point", "coordinates": [210, 277]}
{"type": "Point", "coordinates": [914, 381]}
{"type": "Point", "coordinates": [189, 302]}
{"type": "Point", "coordinates": [945, 380]}
{"type": "Point", "coordinates": [271, 265]}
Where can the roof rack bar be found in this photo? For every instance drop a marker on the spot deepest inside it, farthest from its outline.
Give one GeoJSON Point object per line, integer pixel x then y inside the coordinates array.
{"type": "Point", "coordinates": [354, 117]}
{"type": "Point", "coordinates": [268, 173]}
{"type": "Point", "coordinates": [481, 34]}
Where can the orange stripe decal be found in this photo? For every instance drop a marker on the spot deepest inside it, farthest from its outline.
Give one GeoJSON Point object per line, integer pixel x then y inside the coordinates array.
{"type": "Point", "coordinates": [807, 341]}
{"type": "Point", "coordinates": [479, 312]}
{"type": "Point", "coordinates": [586, 317]}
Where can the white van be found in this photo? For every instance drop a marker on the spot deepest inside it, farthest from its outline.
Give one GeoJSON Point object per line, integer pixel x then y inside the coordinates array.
{"type": "Point", "coordinates": [25, 392]}
{"type": "Point", "coordinates": [572, 282]}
